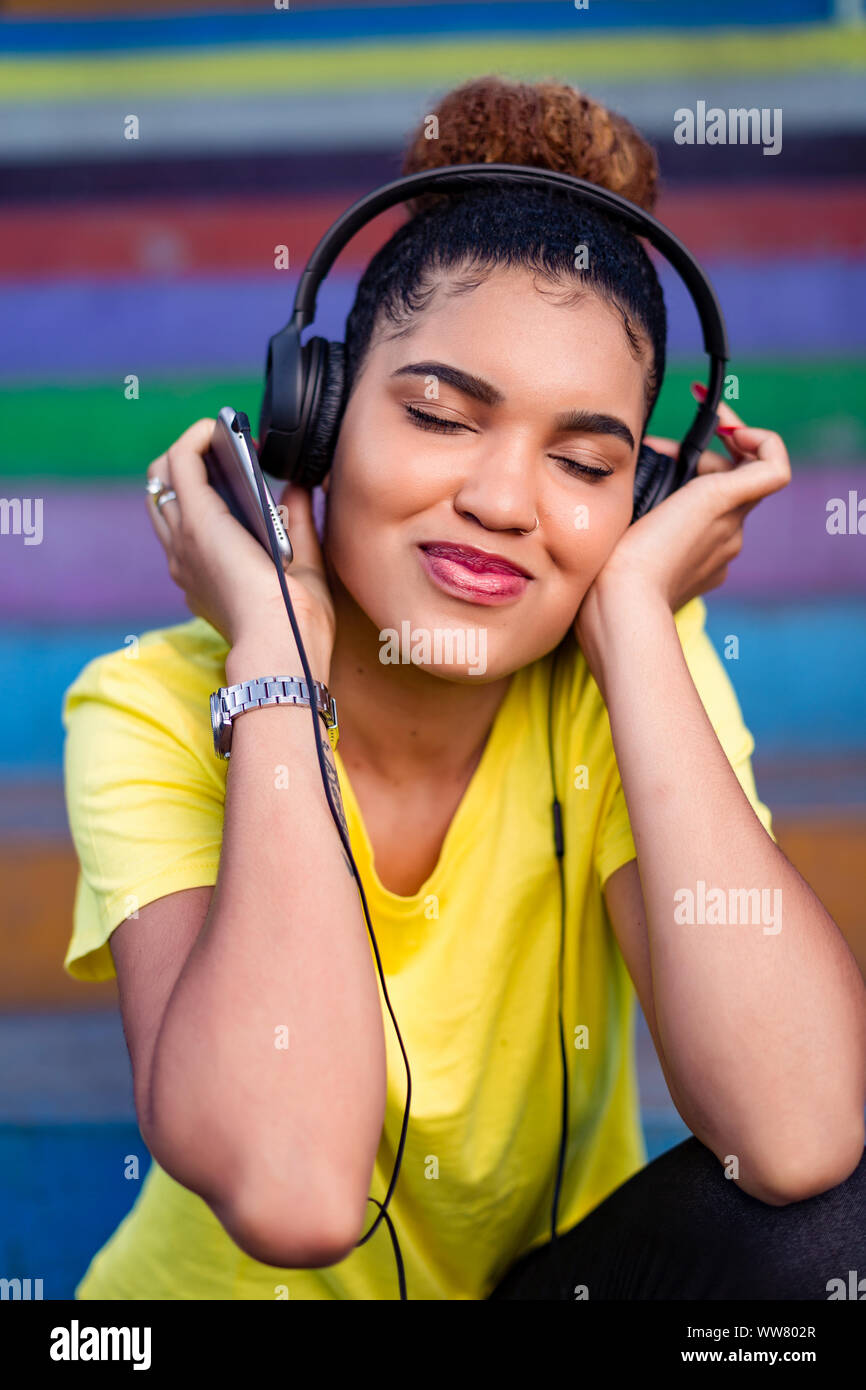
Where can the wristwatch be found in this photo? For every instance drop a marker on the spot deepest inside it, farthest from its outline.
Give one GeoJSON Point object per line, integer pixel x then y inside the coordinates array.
{"type": "Point", "coordinates": [231, 700]}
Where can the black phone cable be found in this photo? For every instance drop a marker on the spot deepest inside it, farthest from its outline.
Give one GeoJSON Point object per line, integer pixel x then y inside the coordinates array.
{"type": "Point", "coordinates": [383, 1214]}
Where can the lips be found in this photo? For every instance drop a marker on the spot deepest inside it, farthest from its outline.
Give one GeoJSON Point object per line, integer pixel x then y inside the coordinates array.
{"type": "Point", "coordinates": [476, 560]}
{"type": "Point", "coordinates": [468, 574]}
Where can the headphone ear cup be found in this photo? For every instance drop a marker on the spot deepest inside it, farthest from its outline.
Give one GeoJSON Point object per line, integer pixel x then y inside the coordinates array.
{"type": "Point", "coordinates": [321, 436]}
{"type": "Point", "coordinates": [650, 473]}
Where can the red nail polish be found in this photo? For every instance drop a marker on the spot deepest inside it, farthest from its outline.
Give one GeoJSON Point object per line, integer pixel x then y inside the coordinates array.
{"type": "Point", "coordinates": [727, 429]}
{"type": "Point", "coordinates": [699, 388]}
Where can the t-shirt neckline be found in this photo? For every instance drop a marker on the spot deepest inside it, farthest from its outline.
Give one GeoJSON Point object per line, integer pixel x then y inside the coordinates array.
{"type": "Point", "coordinates": [471, 811]}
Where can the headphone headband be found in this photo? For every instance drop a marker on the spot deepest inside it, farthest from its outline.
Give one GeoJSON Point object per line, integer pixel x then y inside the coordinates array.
{"type": "Point", "coordinates": [461, 178]}
{"type": "Point", "coordinates": [296, 377]}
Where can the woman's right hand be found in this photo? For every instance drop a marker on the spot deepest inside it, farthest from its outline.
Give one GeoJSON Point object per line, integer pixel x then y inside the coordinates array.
{"type": "Point", "coordinates": [227, 577]}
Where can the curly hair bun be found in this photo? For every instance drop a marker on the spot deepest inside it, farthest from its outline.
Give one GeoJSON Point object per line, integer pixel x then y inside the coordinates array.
{"type": "Point", "coordinates": [492, 120]}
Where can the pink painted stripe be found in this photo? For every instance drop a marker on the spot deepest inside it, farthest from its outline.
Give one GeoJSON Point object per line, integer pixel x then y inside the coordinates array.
{"type": "Point", "coordinates": [113, 239]}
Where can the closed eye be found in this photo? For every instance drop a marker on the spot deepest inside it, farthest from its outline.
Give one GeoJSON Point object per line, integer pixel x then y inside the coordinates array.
{"type": "Point", "coordinates": [435, 422]}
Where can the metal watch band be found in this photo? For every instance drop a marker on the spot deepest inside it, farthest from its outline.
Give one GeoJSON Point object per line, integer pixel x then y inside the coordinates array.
{"type": "Point", "coordinates": [230, 701]}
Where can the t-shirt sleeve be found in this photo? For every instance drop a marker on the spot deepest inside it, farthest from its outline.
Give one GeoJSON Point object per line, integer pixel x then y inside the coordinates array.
{"type": "Point", "coordinates": [145, 814]}
{"type": "Point", "coordinates": [616, 844]}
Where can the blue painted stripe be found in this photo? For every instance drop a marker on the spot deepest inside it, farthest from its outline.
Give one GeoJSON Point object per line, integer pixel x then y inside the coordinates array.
{"type": "Point", "coordinates": [53, 658]}
{"type": "Point", "coordinates": [342, 24]}
{"type": "Point", "coordinates": [799, 677]}
{"type": "Point", "coordinates": [82, 326]}
{"type": "Point", "coordinates": [51, 1230]}
{"type": "Point", "coordinates": [800, 673]}
{"type": "Point", "coordinates": [66, 1105]}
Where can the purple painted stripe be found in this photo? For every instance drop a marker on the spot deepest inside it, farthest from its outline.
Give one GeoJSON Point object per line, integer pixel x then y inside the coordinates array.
{"type": "Point", "coordinates": [99, 559]}
{"type": "Point", "coordinates": [808, 305]}
{"type": "Point", "coordinates": [788, 551]}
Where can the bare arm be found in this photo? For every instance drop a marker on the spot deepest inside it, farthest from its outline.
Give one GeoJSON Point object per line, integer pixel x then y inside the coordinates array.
{"type": "Point", "coordinates": [759, 1023]}
{"type": "Point", "coordinates": [761, 1027]}
{"type": "Point", "coordinates": [265, 1088]}
{"type": "Point", "coordinates": [255, 1026]}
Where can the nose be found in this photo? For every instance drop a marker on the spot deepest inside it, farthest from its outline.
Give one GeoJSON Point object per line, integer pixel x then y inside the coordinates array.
{"type": "Point", "coordinates": [499, 490]}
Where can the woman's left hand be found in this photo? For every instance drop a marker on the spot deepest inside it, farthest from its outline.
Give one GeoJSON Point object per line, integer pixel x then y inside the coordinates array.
{"type": "Point", "coordinates": [683, 547]}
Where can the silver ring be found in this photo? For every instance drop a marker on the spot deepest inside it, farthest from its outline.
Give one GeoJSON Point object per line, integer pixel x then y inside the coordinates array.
{"type": "Point", "coordinates": [529, 533]}
{"type": "Point", "coordinates": [154, 486]}
{"type": "Point", "coordinates": [168, 495]}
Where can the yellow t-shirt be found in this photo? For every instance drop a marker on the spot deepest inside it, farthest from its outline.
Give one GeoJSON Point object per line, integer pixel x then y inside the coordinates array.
{"type": "Point", "coordinates": [470, 962]}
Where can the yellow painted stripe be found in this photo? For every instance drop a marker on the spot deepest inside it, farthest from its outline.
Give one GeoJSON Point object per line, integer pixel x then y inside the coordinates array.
{"type": "Point", "coordinates": [437, 64]}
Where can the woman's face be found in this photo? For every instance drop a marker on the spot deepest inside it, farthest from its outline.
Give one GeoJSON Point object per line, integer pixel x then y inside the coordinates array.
{"type": "Point", "coordinates": [528, 395]}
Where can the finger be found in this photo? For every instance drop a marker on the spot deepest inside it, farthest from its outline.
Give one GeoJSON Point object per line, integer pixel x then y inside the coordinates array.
{"type": "Point", "coordinates": [727, 416]}
{"type": "Point", "coordinates": [726, 421]}
{"type": "Point", "coordinates": [662, 446]}
{"type": "Point", "coordinates": [296, 507]}
{"type": "Point", "coordinates": [198, 437]}
{"type": "Point", "coordinates": [168, 511]}
{"type": "Point", "coordinates": [166, 517]}
{"type": "Point", "coordinates": [188, 471]}
{"type": "Point", "coordinates": [158, 469]}
{"type": "Point", "coordinates": [715, 580]}
{"type": "Point", "coordinates": [765, 471]}
{"type": "Point", "coordinates": [709, 462]}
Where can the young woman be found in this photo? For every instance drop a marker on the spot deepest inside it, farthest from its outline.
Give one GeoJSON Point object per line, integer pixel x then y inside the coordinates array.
{"type": "Point", "coordinates": [496, 400]}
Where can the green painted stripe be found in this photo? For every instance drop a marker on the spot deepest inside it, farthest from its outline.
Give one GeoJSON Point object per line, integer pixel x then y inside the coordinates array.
{"type": "Point", "coordinates": [304, 67]}
{"type": "Point", "coordinates": [53, 430]}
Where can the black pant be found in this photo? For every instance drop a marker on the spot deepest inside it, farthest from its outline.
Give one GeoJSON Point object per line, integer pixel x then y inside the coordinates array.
{"type": "Point", "coordinates": [679, 1229]}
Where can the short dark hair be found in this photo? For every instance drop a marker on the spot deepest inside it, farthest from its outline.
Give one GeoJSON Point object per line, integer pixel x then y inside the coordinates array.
{"type": "Point", "coordinates": [471, 234]}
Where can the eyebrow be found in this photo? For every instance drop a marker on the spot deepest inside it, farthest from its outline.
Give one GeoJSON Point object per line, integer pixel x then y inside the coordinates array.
{"type": "Point", "coordinates": [572, 421]}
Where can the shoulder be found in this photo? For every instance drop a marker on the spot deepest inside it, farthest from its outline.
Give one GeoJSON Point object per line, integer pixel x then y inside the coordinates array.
{"type": "Point", "coordinates": [576, 695]}
{"type": "Point", "coordinates": [170, 667]}
{"type": "Point", "coordinates": [712, 679]}
{"type": "Point", "coordinates": [145, 705]}
{"type": "Point", "coordinates": [144, 790]}
{"type": "Point", "coordinates": [581, 722]}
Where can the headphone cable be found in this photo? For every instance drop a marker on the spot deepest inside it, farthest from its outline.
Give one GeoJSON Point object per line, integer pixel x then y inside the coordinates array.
{"type": "Point", "coordinates": [559, 850]}
{"type": "Point", "coordinates": [383, 1214]}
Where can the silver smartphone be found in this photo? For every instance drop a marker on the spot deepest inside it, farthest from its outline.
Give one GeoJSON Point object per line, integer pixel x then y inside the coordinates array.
{"type": "Point", "coordinates": [232, 470]}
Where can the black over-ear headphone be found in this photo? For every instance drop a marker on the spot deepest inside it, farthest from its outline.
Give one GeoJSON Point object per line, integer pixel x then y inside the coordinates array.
{"type": "Point", "coordinates": [298, 426]}
{"type": "Point", "coordinates": [304, 384]}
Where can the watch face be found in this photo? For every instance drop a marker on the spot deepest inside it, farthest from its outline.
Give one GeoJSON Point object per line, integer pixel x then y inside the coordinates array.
{"type": "Point", "coordinates": [221, 725]}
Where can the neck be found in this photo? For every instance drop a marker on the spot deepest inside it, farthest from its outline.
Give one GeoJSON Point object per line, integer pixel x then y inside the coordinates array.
{"type": "Point", "coordinates": [397, 721]}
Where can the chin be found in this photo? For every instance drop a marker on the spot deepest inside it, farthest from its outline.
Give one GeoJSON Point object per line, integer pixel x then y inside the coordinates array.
{"type": "Point", "coordinates": [450, 650]}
